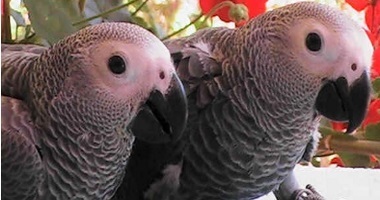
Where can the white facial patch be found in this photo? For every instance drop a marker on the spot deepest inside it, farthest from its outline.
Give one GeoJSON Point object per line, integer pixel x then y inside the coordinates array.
{"type": "Point", "coordinates": [346, 50]}
{"type": "Point", "coordinates": [148, 67]}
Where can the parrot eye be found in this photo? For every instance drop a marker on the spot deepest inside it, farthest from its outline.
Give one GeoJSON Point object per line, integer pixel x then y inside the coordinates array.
{"type": "Point", "coordinates": [116, 64]}
{"type": "Point", "coordinates": [313, 42]}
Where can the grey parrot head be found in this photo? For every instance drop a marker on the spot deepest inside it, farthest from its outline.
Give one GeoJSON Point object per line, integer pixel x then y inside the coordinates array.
{"type": "Point", "coordinates": [118, 77]}
{"type": "Point", "coordinates": [322, 54]}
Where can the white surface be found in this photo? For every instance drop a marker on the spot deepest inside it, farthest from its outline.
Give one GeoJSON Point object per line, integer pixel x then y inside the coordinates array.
{"type": "Point", "coordinates": [339, 183]}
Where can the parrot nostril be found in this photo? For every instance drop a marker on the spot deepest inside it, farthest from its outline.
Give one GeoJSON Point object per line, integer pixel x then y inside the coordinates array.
{"type": "Point", "coordinates": [162, 75]}
{"type": "Point", "coordinates": [354, 67]}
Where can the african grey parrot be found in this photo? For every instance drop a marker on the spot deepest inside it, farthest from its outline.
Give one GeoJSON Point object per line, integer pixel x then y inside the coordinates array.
{"type": "Point", "coordinates": [256, 95]}
{"type": "Point", "coordinates": [68, 110]}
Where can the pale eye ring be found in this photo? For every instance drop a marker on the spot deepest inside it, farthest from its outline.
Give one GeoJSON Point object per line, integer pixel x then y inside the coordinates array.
{"type": "Point", "coordinates": [116, 64]}
{"type": "Point", "coordinates": [313, 42]}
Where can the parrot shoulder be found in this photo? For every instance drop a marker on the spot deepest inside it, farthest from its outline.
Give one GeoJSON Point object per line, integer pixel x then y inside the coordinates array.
{"type": "Point", "coordinates": [197, 68]}
{"type": "Point", "coordinates": [16, 61]}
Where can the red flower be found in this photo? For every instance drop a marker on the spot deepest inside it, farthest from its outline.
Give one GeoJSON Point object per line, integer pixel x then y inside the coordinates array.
{"type": "Point", "coordinates": [338, 161]}
{"type": "Point", "coordinates": [370, 36]}
{"type": "Point", "coordinates": [372, 13]}
{"type": "Point", "coordinates": [373, 115]}
{"type": "Point", "coordinates": [372, 17]}
{"type": "Point", "coordinates": [358, 4]}
{"type": "Point", "coordinates": [255, 7]}
{"type": "Point", "coordinates": [373, 158]}
{"type": "Point", "coordinates": [375, 71]}
{"type": "Point", "coordinates": [339, 126]}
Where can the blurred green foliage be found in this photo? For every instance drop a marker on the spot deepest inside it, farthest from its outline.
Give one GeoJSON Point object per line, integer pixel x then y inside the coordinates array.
{"type": "Point", "coordinates": [52, 19]}
{"type": "Point", "coordinates": [47, 21]}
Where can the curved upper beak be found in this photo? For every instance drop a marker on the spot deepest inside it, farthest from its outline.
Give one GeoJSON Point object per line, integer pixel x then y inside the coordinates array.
{"type": "Point", "coordinates": [338, 101]}
{"type": "Point", "coordinates": [163, 117]}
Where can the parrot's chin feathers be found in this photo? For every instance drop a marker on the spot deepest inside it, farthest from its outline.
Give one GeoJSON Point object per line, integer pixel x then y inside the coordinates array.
{"type": "Point", "coordinates": [163, 117]}
{"type": "Point", "coordinates": [338, 101]}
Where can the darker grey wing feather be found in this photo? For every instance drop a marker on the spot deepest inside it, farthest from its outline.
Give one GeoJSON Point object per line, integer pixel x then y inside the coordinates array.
{"type": "Point", "coordinates": [16, 61]}
{"type": "Point", "coordinates": [21, 167]}
{"type": "Point", "coordinates": [197, 70]}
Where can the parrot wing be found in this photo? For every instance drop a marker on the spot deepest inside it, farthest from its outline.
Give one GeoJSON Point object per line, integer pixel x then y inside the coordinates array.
{"type": "Point", "coordinates": [21, 163]}
{"type": "Point", "coordinates": [16, 61]}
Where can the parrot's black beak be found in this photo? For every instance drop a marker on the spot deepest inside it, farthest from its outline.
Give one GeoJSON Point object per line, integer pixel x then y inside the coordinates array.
{"type": "Point", "coordinates": [339, 102]}
{"type": "Point", "coordinates": [163, 117]}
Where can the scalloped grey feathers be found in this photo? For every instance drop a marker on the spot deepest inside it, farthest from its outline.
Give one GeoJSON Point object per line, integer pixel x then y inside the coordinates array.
{"type": "Point", "coordinates": [67, 110]}
{"type": "Point", "coordinates": [251, 95]}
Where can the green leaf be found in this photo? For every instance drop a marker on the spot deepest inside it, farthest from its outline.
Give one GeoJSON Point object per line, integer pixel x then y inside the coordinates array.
{"type": "Point", "coordinates": [354, 160]}
{"type": "Point", "coordinates": [376, 87]}
{"type": "Point", "coordinates": [81, 4]}
{"type": "Point", "coordinates": [144, 9]}
{"type": "Point", "coordinates": [35, 39]}
{"type": "Point", "coordinates": [372, 132]}
{"type": "Point", "coordinates": [200, 24]}
{"type": "Point", "coordinates": [28, 31]}
{"type": "Point", "coordinates": [52, 19]}
{"type": "Point", "coordinates": [140, 21]}
{"type": "Point", "coordinates": [325, 131]}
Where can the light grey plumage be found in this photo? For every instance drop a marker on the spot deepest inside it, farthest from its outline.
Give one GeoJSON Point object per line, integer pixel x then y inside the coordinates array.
{"type": "Point", "coordinates": [255, 97]}
{"type": "Point", "coordinates": [67, 111]}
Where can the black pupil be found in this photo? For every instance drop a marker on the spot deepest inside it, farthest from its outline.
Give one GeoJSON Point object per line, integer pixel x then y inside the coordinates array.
{"type": "Point", "coordinates": [313, 42]}
{"type": "Point", "coordinates": [116, 64]}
